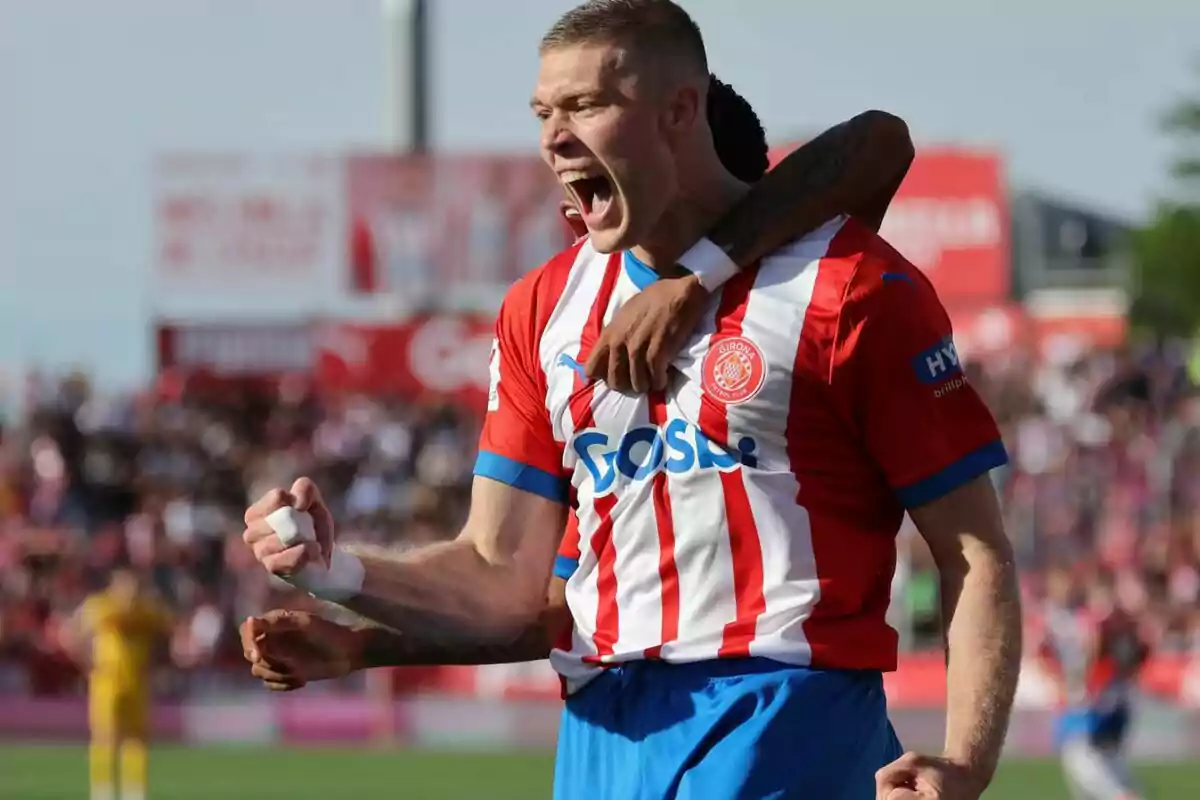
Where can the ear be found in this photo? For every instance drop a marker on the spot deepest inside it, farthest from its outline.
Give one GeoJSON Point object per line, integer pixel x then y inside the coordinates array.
{"type": "Point", "coordinates": [685, 109]}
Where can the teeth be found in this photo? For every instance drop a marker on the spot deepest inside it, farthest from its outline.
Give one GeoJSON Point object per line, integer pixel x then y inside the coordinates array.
{"type": "Point", "coordinates": [572, 175]}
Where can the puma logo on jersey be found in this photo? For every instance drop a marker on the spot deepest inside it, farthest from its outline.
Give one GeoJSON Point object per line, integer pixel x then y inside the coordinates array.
{"type": "Point", "coordinates": [565, 360]}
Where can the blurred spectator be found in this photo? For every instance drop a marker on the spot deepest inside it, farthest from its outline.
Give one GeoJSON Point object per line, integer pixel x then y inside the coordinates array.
{"type": "Point", "coordinates": [1103, 493]}
{"type": "Point", "coordinates": [161, 483]}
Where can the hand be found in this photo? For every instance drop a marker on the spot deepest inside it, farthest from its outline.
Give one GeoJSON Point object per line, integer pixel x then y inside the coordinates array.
{"type": "Point", "coordinates": [288, 649]}
{"type": "Point", "coordinates": [917, 777]}
{"type": "Point", "coordinates": [269, 550]}
{"type": "Point", "coordinates": [636, 348]}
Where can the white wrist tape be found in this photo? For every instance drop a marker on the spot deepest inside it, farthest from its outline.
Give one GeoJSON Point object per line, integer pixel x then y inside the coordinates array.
{"type": "Point", "coordinates": [709, 263]}
{"type": "Point", "coordinates": [343, 579]}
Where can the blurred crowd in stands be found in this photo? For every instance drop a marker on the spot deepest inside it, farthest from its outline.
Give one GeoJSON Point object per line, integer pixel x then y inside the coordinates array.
{"type": "Point", "coordinates": [1103, 491]}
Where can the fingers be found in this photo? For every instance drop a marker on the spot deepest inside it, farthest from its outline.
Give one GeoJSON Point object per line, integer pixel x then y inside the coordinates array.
{"type": "Point", "coordinates": [256, 633]}
{"type": "Point", "coordinates": [596, 368]}
{"type": "Point", "coordinates": [640, 372]}
{"type": "Point", "coordinates": [658, 357]}
{"type": "Point", "coordinates": [618, 377]}
{"type": "Point", "coordinates": [272, 500]}
{"type": "Point", "coordinates": [308, 498]}
{"type": "Point", "coordinates": [273, 554]}
{"type": "Point", "coordinates": [634, 351]}
{"type": "Point", "coordinates": [262, 540]}
{"type": "Point", "coordinates": [897, 780]}
{"type": "Point", "coordinates": [250, 633]}
{"type": "Point", "coordinates": [289, 561]}
{"type": "Point", "coordinates": [276, 676]}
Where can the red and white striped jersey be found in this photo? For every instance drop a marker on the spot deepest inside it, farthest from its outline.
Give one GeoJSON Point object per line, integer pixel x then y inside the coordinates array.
{"type": "Point", "coordinates": [751, 508]}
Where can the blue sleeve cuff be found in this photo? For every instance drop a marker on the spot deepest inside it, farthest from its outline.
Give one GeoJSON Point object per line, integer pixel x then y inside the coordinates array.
{"type": "Point", "coordinates": [565, 567]}
{"type": "Point", "coordinates": [961, 472]}
{"type": "Point", "coordinates": [521, 476]}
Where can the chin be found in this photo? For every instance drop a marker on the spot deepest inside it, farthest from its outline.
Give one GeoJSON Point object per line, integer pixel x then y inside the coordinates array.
{"type": "Point", "coordinates": [611, 240]}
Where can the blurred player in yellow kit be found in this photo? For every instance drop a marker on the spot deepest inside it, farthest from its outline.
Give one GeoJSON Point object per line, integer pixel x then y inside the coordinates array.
{"type": "Point", "coordinates": [124, 624]}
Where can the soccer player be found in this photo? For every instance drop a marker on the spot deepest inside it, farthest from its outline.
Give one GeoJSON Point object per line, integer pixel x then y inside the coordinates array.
{"type": "Point", "coordinates": [114, 635]}
{"type": "Point", "coordinates": [1100, 660]}
{"type": "Point", "coordinates": [289, 649]}
{"type": "Point", "coordinates": [741, 144]}
{"type": "Point", "coordinates": [730, 536]}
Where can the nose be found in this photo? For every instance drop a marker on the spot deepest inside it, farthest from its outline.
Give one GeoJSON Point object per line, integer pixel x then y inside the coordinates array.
{"type": "Point", "coordinates": [556, 136]}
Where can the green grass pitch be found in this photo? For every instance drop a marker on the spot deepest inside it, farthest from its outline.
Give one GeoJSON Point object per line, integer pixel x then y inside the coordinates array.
{"type": "Point", "coordinates": [231, 773]}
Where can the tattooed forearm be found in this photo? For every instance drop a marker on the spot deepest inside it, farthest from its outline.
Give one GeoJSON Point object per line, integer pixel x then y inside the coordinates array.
{"type": "Point", "coordinates": [383, 647]}
{"type": "Point", "coordinates": [854, 168]}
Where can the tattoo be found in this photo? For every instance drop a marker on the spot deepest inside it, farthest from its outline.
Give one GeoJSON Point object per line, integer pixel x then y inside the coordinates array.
{"type": "Point", "coordinates": [853, 168]}
{"type": "Point", "coordinates": [383, 647]}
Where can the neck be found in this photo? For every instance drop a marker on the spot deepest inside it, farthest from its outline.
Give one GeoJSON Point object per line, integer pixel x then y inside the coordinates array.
{"type": "Point", "coordinates": [701, 203]}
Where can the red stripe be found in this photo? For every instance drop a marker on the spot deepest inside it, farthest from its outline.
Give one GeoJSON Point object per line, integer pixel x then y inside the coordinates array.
{"type": "Point", "coordinates": [847, 628]}
{"type": "Point", "coordinates": [744, 546]}
{"type": "Point", "coordinates": [583, 415]}
{"type": "Point", "coordinates": [569, 546]}
{"type": "Point", "coordinates": [608, 622]}
{"type": "Point", "coordinates": [546, 294]}
{"type": "Point", "coordinates": [668, 573]}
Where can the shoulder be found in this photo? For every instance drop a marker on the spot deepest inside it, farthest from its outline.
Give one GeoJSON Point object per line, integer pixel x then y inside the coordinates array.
{"type": "Point", "coordinates": [840, 263]}
{"type": "Point", "coordinates": [534, 296]}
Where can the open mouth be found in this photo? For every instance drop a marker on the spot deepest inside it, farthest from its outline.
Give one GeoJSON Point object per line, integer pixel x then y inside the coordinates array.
{"type": "Point", "coordinates": [594, 194]}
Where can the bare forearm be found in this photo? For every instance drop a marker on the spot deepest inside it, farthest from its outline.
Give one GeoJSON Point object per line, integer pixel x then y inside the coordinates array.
{"type": "Point", "coordinates": [982, 613]}
{"type": "Point", "coordinates": [853, 168]}
{"type": "Point", "coordinates": [448, 592]}
{"type": "Point", "coordinates": [383, 647]}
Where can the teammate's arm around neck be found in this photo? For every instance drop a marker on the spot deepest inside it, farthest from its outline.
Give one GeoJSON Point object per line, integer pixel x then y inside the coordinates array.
{"type": "Point", "coordinates": [853, 168]}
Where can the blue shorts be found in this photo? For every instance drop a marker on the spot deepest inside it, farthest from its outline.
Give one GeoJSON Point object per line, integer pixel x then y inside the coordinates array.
{"type": "Point", "coordinates": [746, 729]}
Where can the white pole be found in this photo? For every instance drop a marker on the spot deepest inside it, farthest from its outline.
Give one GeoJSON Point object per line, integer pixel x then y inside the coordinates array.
{"type": "Point", "coordinates": [399, 17]}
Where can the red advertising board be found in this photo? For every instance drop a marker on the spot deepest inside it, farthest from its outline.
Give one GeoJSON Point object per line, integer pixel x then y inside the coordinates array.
{"type": "Point", "coordinates": [444, 355]}
{"type": "Point", "coordinates": [950, 218]}
{"type": "Point", "coordinates": [420, 226]}
{"type": "Point", "coordinates": [249, 350]}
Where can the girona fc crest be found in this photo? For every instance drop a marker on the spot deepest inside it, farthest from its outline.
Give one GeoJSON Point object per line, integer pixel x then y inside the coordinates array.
{"type": "Point", "coordinates": [734, 370]}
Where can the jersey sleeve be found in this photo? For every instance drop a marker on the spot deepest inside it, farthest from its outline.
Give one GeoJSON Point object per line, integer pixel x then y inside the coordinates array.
{"type": "Point", "coordinates": [518, 446]}
{"type": "Point", "coordinates": [896, 365]}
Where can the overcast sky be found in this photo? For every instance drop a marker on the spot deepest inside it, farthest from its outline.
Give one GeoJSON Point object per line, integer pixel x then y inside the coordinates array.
{"type": "Point", "coordinates": [90, 90]}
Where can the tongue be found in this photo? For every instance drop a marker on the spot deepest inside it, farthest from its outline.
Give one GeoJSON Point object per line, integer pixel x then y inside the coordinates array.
{"type": "Point", "coordinates": [601, 200]}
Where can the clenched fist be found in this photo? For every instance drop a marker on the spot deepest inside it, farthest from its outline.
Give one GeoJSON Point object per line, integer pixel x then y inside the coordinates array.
{"type": "Point", "coordinates": [919, 777]}
{"type": "Point", "coordinates": [288, 559]}
{"type": "Point", "coordinates": [288, 649]}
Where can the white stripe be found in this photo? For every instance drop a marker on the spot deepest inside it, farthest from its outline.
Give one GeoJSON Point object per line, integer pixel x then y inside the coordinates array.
{"type": "Point", "coordinates": [639, 623]}
{"type": "Point", "coordinates": [564, 329]}
{"type": "Point", "coordinates": [562, 336]}
{"type": "Point", "coordinates": [702, 555]}
{"type": "Point", "coordinates": [775, 321]}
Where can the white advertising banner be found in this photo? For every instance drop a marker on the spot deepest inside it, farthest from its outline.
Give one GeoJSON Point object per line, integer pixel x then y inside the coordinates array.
{"type": "Point", "coordinates": [246, 235]}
